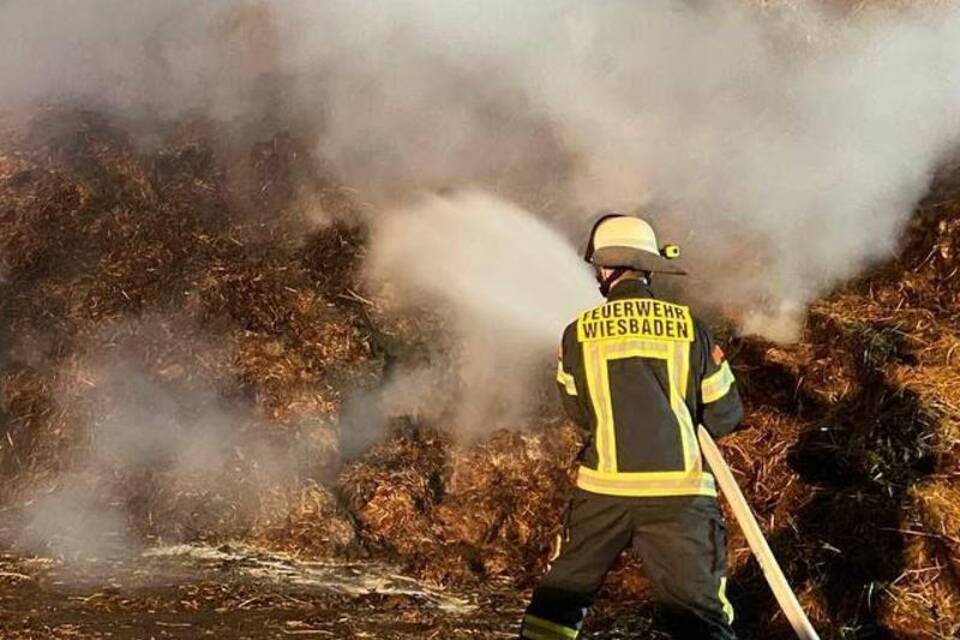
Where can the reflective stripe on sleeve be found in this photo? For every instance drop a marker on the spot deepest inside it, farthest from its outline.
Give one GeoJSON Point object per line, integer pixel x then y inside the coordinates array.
{"type": "Point", "coordinates": [717, 385]}
{"type": "Point", "coordinates": [566, 380]}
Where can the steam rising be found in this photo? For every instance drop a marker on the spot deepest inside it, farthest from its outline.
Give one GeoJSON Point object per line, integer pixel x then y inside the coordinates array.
{"type": "Point", "coordinates": [502, 268]}
{"type": "Point", "coordinates": [507, 281]}
{"type": "Point", "coordinates": [145, 436]}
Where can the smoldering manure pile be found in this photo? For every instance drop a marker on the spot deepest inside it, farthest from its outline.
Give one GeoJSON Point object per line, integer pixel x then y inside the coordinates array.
{"type": "Point", "coordinates": [179, 341]}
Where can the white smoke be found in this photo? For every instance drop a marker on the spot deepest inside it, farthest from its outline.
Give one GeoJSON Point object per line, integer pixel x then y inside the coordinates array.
{"type": "Point", "coordinates": [785, 151]}
{"type": "Point", "coordinates": [504, 268]}
{"type": "Point", "coordinates": [507, 282]}
{"type": "Point", "coordinates": [783, 147]}
{"type": "Point", "coordinates": [206, 464]}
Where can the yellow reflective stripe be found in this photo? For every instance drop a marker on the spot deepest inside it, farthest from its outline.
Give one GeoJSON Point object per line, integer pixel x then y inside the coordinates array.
{"type": "Point", "coordinates": [681, 361]}
{"type": "Point", "coordinates": [557, 548]}
{"type": "Point", "coordinates": [610, 432]}
{"type": "Point", "coordinates": [566, 380]}
{"type": "Point", "coordinates": [596, 355]}
{"type": "Point", "coordinates": [646, 484]}
{"type": "Point", "coordinates": [717, 385]}
{"type": "Point", "coordinates": [550, 629]}
{"type": "Point", "coordinates": [677, 357]}
{"type": "Point", "coordinates": [679, 371]}
{"type": "Point", "coordinates": [613, 350]}
{"type": "Point", "coordinates": [536, 634]}
{"type": "Point", "coordinates": [727, 607]}
{"type": "Point", "coordinates": [597, 383]}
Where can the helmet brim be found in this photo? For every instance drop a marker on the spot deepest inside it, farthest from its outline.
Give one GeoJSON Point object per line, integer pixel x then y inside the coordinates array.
{"type": "Point", "coordinates": [633, 258]}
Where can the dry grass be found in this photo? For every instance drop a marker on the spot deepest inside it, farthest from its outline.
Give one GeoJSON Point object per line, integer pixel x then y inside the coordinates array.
{"type": "Point", "coordinates": [200, 283]}
{"type": "Point", "coordinates": [216, 281]}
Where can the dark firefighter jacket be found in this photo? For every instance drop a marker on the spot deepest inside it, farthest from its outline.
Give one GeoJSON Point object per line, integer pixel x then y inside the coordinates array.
{"type": "Point", "coordinates": [638, 374]}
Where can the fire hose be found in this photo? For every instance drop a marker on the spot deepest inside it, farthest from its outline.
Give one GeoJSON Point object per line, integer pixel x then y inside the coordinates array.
{"type": "Point", "coordinates": [758, 544]}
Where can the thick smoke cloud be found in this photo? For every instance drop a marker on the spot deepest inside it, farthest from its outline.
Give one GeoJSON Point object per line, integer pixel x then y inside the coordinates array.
{"type": "Point", "coordinates": [783, 150]}
{"type": "Point", "coordinates": [782, 146]}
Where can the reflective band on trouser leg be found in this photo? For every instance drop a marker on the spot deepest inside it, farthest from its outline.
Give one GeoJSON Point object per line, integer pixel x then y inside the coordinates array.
{"type": "Point", "coordinates": [653, 484]}
{"type": "Point", "coordinates": [536, 628]}
{"type": "Point", "coordinates": [717, 385]}
{"type": "Point", "coordinates": [727, 606]}
{"type": "Point", "coordinates": [557, 548]}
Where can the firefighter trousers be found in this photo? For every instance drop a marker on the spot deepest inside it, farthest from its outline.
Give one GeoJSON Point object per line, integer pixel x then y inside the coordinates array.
{"type": "Point", "coordinates": [682, 543]}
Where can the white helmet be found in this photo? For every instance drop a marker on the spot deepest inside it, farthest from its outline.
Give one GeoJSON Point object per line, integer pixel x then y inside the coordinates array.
{"type": "Point", "coordinates": [627, 242]}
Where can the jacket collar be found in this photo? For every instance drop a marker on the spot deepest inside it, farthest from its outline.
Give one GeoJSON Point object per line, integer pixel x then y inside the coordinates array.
{"type": "Point", "coordinates": [630, 288]}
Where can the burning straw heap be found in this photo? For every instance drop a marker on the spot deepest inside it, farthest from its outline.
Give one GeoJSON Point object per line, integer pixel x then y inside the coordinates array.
{"type": "Point", "coordinates": [177, 341]}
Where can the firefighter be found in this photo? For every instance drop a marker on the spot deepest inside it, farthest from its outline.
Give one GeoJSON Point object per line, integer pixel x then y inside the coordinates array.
{"type": "Point", "coordinates": [637, 374]}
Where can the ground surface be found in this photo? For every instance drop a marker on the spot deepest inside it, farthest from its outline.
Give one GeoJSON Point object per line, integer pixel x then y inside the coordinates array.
{"type": "Point", "coordinates": [237, 592]}
{"type": "Point", "coordinates": [231, 593]}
